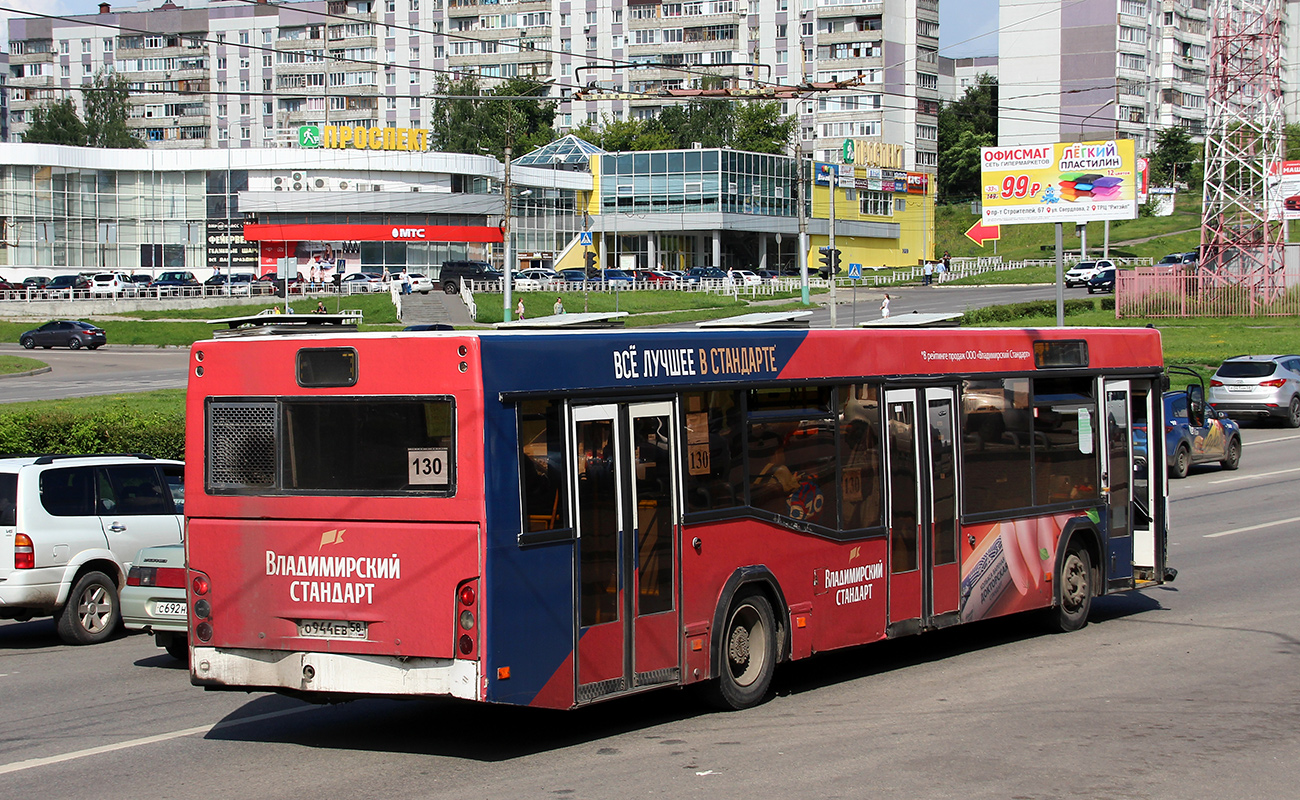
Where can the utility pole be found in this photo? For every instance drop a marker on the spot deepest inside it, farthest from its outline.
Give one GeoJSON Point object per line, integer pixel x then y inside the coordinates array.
{"type": "Point", "coordinates": [803, 219]}
{"type": "Point", "coordinates": [506, 271]}
{"type": "Point", "coordinates": [830, 268]}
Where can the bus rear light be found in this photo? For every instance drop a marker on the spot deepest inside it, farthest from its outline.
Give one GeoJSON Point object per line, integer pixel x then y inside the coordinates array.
{"type": "Point", "coordinates": [466, 644]}
{"type": "Point", "coordinates": [466, 613]}
{"type": "Point", "coordinates": [204, 631]}
{"type": "Point", "coordinates": [201, 585]}
{"type": "Point", "coordinates": [467, 594]}
{"type": "Point", "coordinates": [203, 609]}
{"type": "Point", "coordinates": [467, 620]}
{"type": "Point", "coordinates": [24, 553]}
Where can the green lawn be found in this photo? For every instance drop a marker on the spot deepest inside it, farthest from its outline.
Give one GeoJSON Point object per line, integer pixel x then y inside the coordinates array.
{"type": "Point", "coordinates": [12, 364]}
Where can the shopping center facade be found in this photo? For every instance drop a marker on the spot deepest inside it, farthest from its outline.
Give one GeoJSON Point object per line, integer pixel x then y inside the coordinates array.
{"type": "Point", "coordinates": [69, 209]}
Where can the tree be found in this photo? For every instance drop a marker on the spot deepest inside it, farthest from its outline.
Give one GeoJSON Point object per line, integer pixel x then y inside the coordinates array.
{"type": "Point", "coordinates": [760, 128]}
{"type": "Point", "coordinates": [1176, 158]}
{"type": "Point", "coordinates": [56, 123]}
{"type": "Point", "coordinates": [964, 127]}
{"type": "Point", "coordinates": [106, 112]}
{"type": "Point", "coordinates": [488, 123]}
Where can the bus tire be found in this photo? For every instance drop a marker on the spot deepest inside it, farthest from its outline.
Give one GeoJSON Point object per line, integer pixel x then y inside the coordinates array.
{"type": "Point", "coordinates": [747, 654]}
{"type": "Point", "coordinates": [178, 647]}
{"type": "Point", "coordinates": [1074, 591]}
{"type": "Point", "coordinates": [92, 612]}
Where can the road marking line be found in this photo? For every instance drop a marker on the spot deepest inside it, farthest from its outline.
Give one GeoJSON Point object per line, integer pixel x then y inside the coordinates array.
{"type": "Point", "coordinates": [1257, 475]}
{"type": "Point", "coordinates": [1252, 528]}
{"type": "Point", "coordinates": [30, 763]}
{"type": "Point", "coordinates": [1271, 441]}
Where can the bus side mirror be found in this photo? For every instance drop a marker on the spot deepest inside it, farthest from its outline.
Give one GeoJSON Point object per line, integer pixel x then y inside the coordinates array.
{"type": "Point", "coordinates": [1164, 382]}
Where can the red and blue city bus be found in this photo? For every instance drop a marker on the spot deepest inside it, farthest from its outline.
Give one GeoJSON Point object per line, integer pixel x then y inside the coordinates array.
{"type": "Point", "coordinates": [554, 518]}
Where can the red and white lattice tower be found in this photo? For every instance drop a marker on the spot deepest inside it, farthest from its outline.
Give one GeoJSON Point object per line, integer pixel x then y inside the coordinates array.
{"type": "Point", "coordinates": [1241, 230]}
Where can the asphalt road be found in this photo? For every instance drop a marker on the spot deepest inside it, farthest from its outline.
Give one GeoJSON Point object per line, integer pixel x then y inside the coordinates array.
{"type": "Point", "coordinates": [1188, 690]}
{"type": "Point", "coordinates": [112, 369]}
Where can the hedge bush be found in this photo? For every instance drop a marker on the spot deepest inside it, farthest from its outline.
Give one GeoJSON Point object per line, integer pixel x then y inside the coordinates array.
{"type": "Point", "coordinates": [1017, 311]}
{"type": "Point", "coordinates": [111, 431]}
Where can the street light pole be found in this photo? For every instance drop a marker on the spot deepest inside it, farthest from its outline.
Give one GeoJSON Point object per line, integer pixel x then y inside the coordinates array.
{"type": "Point", "coordinates": [506, 270]}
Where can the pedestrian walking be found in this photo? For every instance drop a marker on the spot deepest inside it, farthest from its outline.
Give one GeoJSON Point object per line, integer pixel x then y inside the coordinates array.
{"type": "Point", "coordinates": [519, 309]}
{"type": "Point", "coordinates": [406, 281]}
{"type": "Point", "coordinates": [884, 308]}
{"type": "Point", "coordinates": [927, 274]}
{"type": "Point", "coordinates": [558, 308]}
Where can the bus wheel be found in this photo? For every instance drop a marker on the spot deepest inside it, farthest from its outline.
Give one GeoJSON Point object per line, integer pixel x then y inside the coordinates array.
{"type": "Point", "coordinates": [748, 654]}
{"type": "Point", "coordinates": [1074, 587]}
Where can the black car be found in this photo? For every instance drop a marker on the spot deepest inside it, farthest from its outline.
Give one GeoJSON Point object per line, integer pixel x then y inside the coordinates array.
{"type": "Point", "coordinates": [64, 333]}
{"type": "Point", "coordinates": [453, 271]}
{"type": "Point", "coordinates": [1103, 281]}
{"type": "Point", "coordinates": [64, 285]}
{"type": "Point", "coordinates": [35, 282]}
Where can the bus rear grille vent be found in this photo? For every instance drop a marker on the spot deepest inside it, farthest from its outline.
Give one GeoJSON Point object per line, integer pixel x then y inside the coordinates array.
{"type": "Point", "coordinates": [241, 445]}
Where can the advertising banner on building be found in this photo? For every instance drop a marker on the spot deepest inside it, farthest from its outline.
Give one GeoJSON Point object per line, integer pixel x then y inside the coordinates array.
{"type": "Point", "coordinates": [1284, 192]}
{"type": "Point", "coordinates": [1063, 182]}
{"type": "Point", "coordinates": [227, 248]}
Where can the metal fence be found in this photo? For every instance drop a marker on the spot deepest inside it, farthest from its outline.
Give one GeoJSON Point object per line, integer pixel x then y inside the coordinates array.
{"type": "Point", "coordinates": [1157, 292]}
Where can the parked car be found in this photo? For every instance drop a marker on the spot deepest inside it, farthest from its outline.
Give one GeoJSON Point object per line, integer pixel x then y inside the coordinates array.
{"type": "Point", "coordinates": [573, 275]}
{"type": "Point", "coordinates": [75, 525]}
{"type": "Point", "coordinates": [768, 275]}
{"type": "Point", "coordinates": [540, 277]}
{"type": "Point", "coordinates": [1103, 281]}
{"type": "Point", "coordinates": [35, 282]}
{"type": "Point", "coordinates": [175, 282]}
{"type": "Point", "coordinates": [615, 276]}
{"type": "Point", "coordinates": [68, 333]}
{"type": "Point", "coordinates": [237, 283]}
{"type": "Point", "coordinates": [1196, 433]}
{"type": "Point", "coordinates": [744, 277]}
{"type": "Point", "coordinates": [1171, 260]}
{"type": "Point", "coordinates": [67, 285]}
{"type": "Point", "coordinates": [453, 272]}
{"type": "Point", "coordinates": [359, 282]}
{"type": "Point", "coordinates": [111, 284]}
{"type": "Point", "coordinates": [9, 286]}
{"type": "Point", "coordinates": [660, 277]}
{"type": "Point", "coordinates": [1081, 273]}
{"type": "Point", "coordinates": [697, 274]}
{"type": "Point", "coordinates": [141, 282]}
{"type": "Point", "coordinates": [1258, 387]}
{"type": "Point", "coordinates": [420, 282]}
{"type": "Point", "coordinates": [153, 599]}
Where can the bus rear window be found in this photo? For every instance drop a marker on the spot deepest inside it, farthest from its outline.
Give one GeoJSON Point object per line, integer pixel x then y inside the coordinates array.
{"type": "Point", "coordinates": [367, 445]}
{"type": "Point", "coordinates": [344, 445]}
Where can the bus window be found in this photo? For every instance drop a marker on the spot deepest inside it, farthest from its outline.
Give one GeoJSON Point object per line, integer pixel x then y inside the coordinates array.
{"type": "Point", "coordinates": [597, 512]}
{"type": "Point", "coordinates": [714, 462]}
{"type": "Point", "coordinates": [792, 469]}
{"type": "Point", "coordinates": [859, 422]}
{"type": "Point", "coordinates": [368, 444]}
{"type": "Point", "coordinates": [541, 460]}
{"type": "Point", "coordinates": [997, 439]}
{"type": "Point", "coordinates": [1065, 440]}
{"type": "Point", "coordinates": [654, 513]}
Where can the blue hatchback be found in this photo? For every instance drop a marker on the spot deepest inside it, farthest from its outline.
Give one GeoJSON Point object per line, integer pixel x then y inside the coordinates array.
{"type": "Point", "coordinates": [1195, 433]}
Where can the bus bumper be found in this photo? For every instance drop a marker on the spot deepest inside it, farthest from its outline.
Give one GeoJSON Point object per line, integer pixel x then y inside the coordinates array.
{"type": "Point", "coordinates": [333, 673]}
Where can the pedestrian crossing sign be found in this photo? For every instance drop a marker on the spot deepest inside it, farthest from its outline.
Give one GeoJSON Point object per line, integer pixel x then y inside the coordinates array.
{"type": "Point", "coordinates": [855, 271]}
{"type": "Point", "coordinates": [584, 239]}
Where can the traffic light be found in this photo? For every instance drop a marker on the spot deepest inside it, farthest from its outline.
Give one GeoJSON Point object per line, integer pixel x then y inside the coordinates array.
{"type": "Point", "coordinates": [830, 261]}
{"type": "Point", "coordinates": [589, 260]}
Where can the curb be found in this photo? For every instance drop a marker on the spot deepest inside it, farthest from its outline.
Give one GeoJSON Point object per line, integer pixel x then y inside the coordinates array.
{"type": "Point", "coordinates": [29, 372]}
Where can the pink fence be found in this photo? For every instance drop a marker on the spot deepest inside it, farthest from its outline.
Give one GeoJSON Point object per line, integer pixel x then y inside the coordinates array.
{"type": "Point", "coordinates": [1156, 292]}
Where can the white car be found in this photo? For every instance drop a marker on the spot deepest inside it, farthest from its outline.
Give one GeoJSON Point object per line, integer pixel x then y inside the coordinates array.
{"type": "Point", "coordinates": [536, 279]}
{"type": "Point", "coordinates": [356, 282]}
{"type": "Point", "coordinates": [744, 277]}
{"type": "Point", "coordinates": [1081, 273]}
{"type": "Point", "coordinates": [154, 601]}
{"type": "Point", "coordinates": [112, 284]}
{"type": "Point", "coordinates": [420, 283]}
{"type": "Point", "coordinates": [70, 528]}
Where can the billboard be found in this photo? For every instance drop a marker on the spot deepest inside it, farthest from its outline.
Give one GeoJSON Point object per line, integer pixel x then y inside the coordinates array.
{"type": "Point", "coordinates": [1284, 192]}
{"type": "Point", "coordinates": [1063, 182]}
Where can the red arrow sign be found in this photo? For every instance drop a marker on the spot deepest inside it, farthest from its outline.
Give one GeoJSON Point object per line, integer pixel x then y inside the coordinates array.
{"type": "Point", "coordinates": [979, 233]}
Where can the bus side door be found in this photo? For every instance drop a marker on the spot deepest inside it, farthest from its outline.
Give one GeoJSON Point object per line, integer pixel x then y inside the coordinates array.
{"type": "Point", "coordinates": [924, 577]}
{"type": "Point", "coordinates": [626, 491]}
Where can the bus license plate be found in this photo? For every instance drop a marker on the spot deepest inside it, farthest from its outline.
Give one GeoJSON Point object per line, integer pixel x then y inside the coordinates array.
{"type": "Point", "coordinates": [169, 610]}
{"type": "Point", "coordinates": [331, 629]}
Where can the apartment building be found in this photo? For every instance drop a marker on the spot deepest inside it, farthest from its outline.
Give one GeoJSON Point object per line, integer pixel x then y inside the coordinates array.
{"type": "Point", "coordinates": [1088, 69]}
{"type": "Point", "coordinates": [244, 73]}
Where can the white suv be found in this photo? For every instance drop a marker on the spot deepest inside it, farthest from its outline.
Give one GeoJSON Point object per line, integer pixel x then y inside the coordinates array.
{"type": "Point", "coordinates": [69, 527]}
{"type": "Point", "coordinates": [1081, 273]}
{"type": "Point", "coordinates": [111, 284]}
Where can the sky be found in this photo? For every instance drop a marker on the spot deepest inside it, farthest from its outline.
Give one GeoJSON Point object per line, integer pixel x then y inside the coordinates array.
{"type": "Point", "coordinates": [966, 27]}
